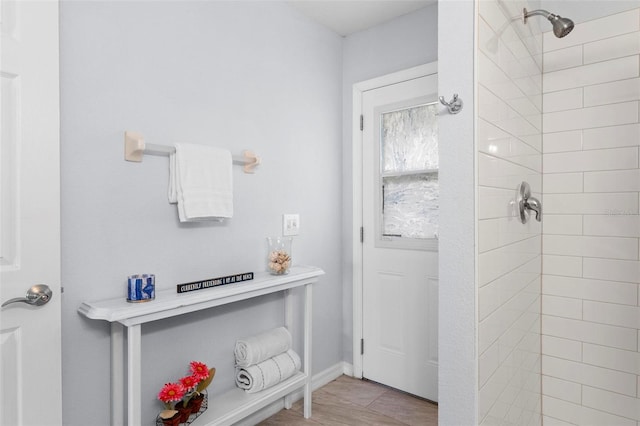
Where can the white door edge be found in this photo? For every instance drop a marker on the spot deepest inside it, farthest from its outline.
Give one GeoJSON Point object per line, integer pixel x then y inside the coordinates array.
{"type": "Point", "coordinates": [356, 167]}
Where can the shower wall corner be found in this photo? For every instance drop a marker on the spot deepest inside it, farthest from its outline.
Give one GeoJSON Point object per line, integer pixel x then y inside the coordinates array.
{"type": "Point", "coordinates": [508, 151]}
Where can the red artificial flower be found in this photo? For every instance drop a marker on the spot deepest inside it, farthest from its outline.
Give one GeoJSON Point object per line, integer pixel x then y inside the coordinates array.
{"type": "Point", "coordinates": [200, 370]}
{"type": "Point", "coordinates": [189, 382]}
{"type": "Point", "coordinates": [171, 392]}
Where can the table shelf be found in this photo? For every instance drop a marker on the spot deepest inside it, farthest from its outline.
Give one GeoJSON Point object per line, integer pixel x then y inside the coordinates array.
{"type": "Point", "coordinates": [168, 303]}
{"type": "Point", "coordinates": [223, 409]}
{"type": "Point", "coordinates": [236, 404]}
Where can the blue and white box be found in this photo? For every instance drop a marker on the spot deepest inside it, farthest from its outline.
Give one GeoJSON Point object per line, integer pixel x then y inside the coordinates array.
{"type": "Point", "coordinates": [142, 288]}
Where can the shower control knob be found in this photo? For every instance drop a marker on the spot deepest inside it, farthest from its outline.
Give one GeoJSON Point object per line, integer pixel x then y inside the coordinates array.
{"type": "Point", "coordinates": [528, 203]}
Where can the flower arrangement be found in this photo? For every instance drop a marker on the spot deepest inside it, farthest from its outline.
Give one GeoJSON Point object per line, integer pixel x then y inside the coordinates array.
{"type": "Point", "coordinates": [177, 396]}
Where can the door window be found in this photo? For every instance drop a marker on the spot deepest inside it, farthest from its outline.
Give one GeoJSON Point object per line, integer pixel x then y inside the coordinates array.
{"type": "Point", "coordinates": [409, 176]}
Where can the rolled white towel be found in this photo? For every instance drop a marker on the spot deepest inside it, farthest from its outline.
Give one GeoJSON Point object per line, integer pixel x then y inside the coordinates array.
{"type": "Point", "coordinates": [256, 349]}
{"type": "Point", "coordinates": [268, 373]}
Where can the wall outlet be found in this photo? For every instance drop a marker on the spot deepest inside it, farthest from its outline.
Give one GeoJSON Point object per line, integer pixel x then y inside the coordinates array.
{"type": "Point", "coordinates": [290, 224]}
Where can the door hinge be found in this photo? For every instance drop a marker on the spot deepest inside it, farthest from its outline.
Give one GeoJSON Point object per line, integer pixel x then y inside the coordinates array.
{"type": "Point", "coordinates": [361, 122]}
{"type": "Point", "coordinates": [361, 234]}
{"type": "Point", "coordinates": [361, 346]}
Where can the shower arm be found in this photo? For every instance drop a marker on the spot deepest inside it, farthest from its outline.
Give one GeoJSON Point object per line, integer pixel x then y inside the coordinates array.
{"type": "Point", "coordinates": [539, 12]}
{"type": "Point", "coordinates": [561, 26]}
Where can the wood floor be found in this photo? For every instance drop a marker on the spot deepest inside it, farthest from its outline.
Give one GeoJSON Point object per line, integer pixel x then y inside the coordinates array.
{"type": "Point", "coordinates": [348, 401]}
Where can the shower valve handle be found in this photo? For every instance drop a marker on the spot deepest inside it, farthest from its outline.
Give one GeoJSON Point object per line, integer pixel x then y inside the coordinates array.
{"type": "Point", "coordinates": [527, 202]}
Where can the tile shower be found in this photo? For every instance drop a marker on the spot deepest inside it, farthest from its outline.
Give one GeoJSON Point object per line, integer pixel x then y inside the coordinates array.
{"type": "Point", "coordinates": [562, 114]}
{"type": "Point", "coordinates": [509, 142]}
{"type": "Point", "coordinates": [590, 313]}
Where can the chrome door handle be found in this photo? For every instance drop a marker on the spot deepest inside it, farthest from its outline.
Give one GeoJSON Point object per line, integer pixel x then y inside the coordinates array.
{"type": "Point", "coordinates": [37, 295]}
{"type": "Point", "coordinates": [527, 202]}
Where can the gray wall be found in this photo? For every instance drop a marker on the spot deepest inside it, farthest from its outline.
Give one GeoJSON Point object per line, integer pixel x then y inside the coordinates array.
{"type": "Point", "coordinates": [235, 75]}
{"type": "Point", "coordinates": [402, 43]}
{"type": "Point", "coordinates": [458, 364]}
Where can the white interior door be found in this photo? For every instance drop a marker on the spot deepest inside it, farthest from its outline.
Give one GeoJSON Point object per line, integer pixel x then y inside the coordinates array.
{"type": "Point", "coordinates": [400, 220]}
{"type": "Point", "coordinates": [30, 353]}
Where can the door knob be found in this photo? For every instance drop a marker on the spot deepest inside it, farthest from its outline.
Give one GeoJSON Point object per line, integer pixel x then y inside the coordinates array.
{"type": "Point", "coordinates": [37, 295]}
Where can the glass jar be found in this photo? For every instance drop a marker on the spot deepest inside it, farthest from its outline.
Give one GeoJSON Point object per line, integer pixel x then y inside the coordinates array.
{"type": "Point", "coordinates": [279, 255]}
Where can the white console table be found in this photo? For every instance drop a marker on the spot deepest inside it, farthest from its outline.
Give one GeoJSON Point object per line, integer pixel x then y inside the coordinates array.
{"type": "Point", "coordinates": [225, 409]}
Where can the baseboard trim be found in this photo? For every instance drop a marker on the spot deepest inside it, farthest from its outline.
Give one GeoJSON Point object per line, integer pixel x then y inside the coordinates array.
{"type": "Point", "coordinates": [347, 369]}
{"type": "Point", "coordinates": [317, 381]}
{"type": "Point", "coordinates": [330, 374]}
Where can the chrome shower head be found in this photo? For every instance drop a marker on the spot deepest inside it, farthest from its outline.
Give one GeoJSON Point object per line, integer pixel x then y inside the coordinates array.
{"type": "Point", "coordinates": [561, 26]}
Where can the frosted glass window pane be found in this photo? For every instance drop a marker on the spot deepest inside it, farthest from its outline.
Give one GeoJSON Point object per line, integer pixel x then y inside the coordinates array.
{"type": "Point", "coordinates": [410, 207]}
{"type": "Point", "coordinates": [409, 164]}
{"type": "Point", "coordinates": [410, 139]}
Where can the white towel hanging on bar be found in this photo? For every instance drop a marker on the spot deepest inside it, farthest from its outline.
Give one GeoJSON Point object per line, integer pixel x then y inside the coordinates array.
{"type": "Point", "coordinates": [200, 182]}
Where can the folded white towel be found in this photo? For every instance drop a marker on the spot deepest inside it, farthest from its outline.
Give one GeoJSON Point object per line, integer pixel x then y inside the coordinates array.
{"type": "Point", "coordinates": [268, 373]}
{"type": "Point", "coordinates": [200, 181]}
{"type": "Point", "coordinates": [258, 348]}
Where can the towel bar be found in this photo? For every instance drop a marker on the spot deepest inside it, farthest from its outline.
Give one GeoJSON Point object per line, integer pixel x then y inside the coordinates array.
{"type": "Point", "coordinates": [135, 148]}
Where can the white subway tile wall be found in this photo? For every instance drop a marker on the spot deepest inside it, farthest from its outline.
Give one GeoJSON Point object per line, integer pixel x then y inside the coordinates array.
{"type": "Point", "coordinates": [509, 140]}
{"type": "Point", "coordinates": [591, 226]}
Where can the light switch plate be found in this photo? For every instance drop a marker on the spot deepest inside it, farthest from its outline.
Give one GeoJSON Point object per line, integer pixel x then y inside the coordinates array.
{"type": "Point", "coordinates": [290, 224]}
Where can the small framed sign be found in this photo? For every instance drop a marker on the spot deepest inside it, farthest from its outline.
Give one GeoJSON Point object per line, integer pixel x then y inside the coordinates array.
{"type": "Point", "coordinates": [214, 282]}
